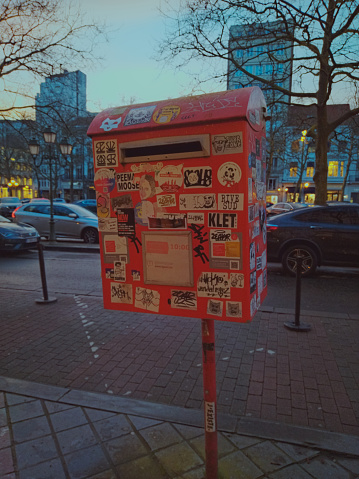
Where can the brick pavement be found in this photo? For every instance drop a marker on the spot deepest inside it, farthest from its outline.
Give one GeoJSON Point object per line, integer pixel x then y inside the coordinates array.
{"type": "Point", "coordinates": [264, 370]}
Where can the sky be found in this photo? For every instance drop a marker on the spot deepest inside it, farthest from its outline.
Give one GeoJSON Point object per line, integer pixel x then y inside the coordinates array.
{"type": "Point", "coordinates": [129, 71]}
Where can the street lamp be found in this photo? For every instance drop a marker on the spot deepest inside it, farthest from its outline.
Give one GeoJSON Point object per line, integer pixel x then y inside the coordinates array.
{"type": "Point", "coordinates": [65, 148]}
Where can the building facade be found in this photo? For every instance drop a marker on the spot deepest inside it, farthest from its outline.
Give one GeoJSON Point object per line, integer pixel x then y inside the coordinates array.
{"type": "Point", "coordinates": [291, 177]}
{"type": "Point", "coordinates": [61, 105]}
{"type": "Point", "coordinates": [261, 50]}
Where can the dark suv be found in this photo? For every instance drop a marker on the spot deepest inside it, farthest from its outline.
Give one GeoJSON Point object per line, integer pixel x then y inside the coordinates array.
{"type": "Point", "coordinates": [321, 235]}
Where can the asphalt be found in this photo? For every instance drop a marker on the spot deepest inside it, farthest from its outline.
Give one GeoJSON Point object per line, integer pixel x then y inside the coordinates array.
{"type": "Point", "coordinates": [85, 393]}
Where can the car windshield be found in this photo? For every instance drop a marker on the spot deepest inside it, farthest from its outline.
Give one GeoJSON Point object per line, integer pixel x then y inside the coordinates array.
{"type": "Point", "coordinates": [4, 220]}
{"type": "Point", "coordinates": [81, 211]}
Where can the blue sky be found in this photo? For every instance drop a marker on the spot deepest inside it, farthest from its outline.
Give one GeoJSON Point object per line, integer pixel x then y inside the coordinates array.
{"type": "Point", "coordinates": [129, 70]}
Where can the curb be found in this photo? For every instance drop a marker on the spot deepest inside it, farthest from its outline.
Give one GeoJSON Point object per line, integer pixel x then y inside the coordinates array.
{"type": "Point", "coordinates": [301, 436]}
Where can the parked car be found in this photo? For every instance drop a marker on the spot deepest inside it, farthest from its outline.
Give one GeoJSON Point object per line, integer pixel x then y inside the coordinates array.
{"type": "Point", "coordinates": [321, 235]}
{"type": "Point", "coordinates": [90, 205]}
{"type": "Point", "coordinates": [71, 221]}
{"type": "Point", "coordinates": [8, 204]}
{"type": "Point", "coordinates": [284, 207]}
{"type": "Point", "coordinates": [17, 237]}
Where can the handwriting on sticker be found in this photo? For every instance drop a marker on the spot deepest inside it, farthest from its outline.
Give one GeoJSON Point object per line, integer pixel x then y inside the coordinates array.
{"type": "Point", "coordinates": [213, 285]}
{"type": "Point", "coordinates": [183, 299]}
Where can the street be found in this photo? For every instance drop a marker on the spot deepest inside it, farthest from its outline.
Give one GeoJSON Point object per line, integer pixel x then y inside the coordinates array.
{"type": "Point", "coordinates": [330, 290]}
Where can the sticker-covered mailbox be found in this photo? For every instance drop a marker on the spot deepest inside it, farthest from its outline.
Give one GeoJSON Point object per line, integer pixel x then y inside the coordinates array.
{"type": "Point", "coordinates": [180, 188]}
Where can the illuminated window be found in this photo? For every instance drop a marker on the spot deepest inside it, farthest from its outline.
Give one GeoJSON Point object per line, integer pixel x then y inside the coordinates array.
{"type": "Point", "coordinates": [333, 168]}
{"type": "Point", "coordinates": [310, 171]}
{"type": "Point", "coordinates": [342, 168]}
{"type": "Point", "coordinates": [293, 171]}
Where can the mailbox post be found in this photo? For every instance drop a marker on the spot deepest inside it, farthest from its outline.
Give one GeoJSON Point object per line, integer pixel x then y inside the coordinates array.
{"type": "Point", "coordinates": [181, 195]}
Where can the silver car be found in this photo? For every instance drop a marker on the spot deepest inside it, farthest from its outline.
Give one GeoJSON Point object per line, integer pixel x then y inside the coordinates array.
{"type": "Point", "coordinates": [71, 221]}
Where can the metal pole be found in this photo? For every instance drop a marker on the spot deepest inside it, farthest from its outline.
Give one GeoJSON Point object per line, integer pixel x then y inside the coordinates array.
{"type": "Point", "coordinates": [210, 398]}
{"type": "Point", "coordinates": [52, 222]}
{"type": "Point", "coordinates": [296, 325]}
{"type": "Point", "coordinates": [46, 298]}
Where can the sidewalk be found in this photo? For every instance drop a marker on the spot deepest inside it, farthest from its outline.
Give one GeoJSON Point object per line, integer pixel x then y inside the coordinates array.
{"type": "Point", "coordinates": [91, 393]}
{"type": "Point", "coordinates": [47, 432]}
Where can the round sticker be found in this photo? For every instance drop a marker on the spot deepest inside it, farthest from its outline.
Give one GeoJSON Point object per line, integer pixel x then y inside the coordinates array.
{"type": "Point", "coordinates": [170, 178]}
{"type": "Point", "coordinates": [229, 174]}
{"type": "Point", "coordinates": [104, 180]}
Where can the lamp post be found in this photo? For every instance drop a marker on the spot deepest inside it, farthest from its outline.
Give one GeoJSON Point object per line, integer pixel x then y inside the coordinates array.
{"type": "Point", "coordinates": [65, 148]}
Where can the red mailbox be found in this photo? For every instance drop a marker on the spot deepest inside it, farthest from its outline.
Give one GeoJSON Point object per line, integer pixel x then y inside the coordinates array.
{"type": "Point", "coordinates": [181, 196]}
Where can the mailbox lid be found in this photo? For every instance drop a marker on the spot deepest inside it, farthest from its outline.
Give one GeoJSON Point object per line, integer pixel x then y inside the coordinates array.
{"type": "Point", "coordinates": [245, 103]}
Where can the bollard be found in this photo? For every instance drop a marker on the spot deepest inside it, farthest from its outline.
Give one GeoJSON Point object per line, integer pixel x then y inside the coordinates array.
{"type": "Point", "coordinates": [45, 298]}
{"type": "Point", "coordinates": [296, 325]}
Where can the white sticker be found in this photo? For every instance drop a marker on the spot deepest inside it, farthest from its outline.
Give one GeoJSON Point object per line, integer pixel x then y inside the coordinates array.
{"type": "Point", "coordinates": [198, 202]}
{"type": "Point", "coordinates": [230, 201]}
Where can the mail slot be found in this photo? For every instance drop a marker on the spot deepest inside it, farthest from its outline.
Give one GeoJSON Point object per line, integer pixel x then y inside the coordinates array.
{"type": "Point", "coordinates": [181, 191]}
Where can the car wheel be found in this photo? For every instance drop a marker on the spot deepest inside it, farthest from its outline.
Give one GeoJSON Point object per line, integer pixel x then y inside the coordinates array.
{"type": "Point", "coordinates": [90, 235]}
{"type": "Point", "coordinates": [309, 260]}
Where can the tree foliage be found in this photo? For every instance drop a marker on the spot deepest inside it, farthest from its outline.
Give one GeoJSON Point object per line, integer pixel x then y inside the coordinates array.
{"type": "Point", "coordinates": [37, 37]}
{"type": "Point", "coordinates": [324, 35]}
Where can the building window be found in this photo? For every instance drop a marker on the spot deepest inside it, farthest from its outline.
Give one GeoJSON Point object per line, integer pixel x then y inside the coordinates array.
{"type": "Point", "coordinates": [280, 50]}
{"type": "Point", "coordinates": [249, 68]}
{"type": "Point", "coordinates": [333, 168]}
{"type": "Point", "coordinates": [342, 168]}
{"type": "Point", "coordinates": [293, 169]}
{"type": "Point", "coordinates": [250, 52]}
{"type": "Point", "coordinates": [260, 49]}
{"type": "Point", "coordinates": [269, 69]}
{"type": "Point", "coordinates": [272, 184]}
{"type": "Point", "coordinates": [310, 171]}
{"type": "Point", "coordinates": [259, 70]}
{"type": "Point", "coordinates": [239, 53]}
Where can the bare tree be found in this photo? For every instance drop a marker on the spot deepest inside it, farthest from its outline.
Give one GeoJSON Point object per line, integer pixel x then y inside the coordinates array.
{"type": "Point", "coordinates": [36, 37]}
{"type": "Point", "coordinates": [324, 34]}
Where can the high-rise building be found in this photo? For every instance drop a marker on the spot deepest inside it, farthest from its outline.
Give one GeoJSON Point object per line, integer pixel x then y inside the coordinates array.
{"type": "Point", "coordinates": [62, 98]}
{"type": "Point", "coordinates": [264, 51]}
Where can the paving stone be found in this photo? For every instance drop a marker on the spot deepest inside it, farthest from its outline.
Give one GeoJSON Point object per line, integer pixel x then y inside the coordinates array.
{"type": "Point", "coordinates": [321, 466]}
{"type": "Point", "coordinates": [13, 399]}
{"type": "Point", "coordinates": [188, 432]}
{"type": "Point", "coordinates": [76, 438]}
{"type": "Point", "coordinates": [110, 474]}
{"type": "Point", "coordinates": [241, 442]}
{"type": "Point", "coordinates": [31, 429]}
{"type": "Point", "coordinates": [3, 417]}
{"type": "Point", "coordinates": [143, 422]}
{"type": "Point", "coordinates": [86, 462]}
{"type": "Point", "coordinates": [267, 456]}
{"type": "Point", "coordinates": [291, 472]}
{"type": "Point", "coordinates": [161, 435]}
{"type": "Point", "coordinates": [114, 426]}
{"type": "Point", "coordinates": [297, 453]}
{"type": "Point", "coordinates": [97, 415]}
{"type": "Point", "coordinates": [57, 407]}
{"type": "Point", "coordinates": [224, 445]}
{"type": "Point", "coordinates": [178, 459]}
{"type": "Point", "coordinates": [36, 451]}
{"type": "Point", "coordinates": [237, 465]}
{"type": "Point", "coordinates": [125, 448]}
{"type": "Point", "coordinates": [46, 470]}
{"type": "Point", "coordinates": [5, 439]}
{"type": "Point", "coordinates": [67, 419]}
{"type": "Point", "coordinates": [142, 468]}
{"type": "Point", "coordinates": [350, 463]}
{"type": "Point", "coordinates": [26, 410]}
{"type": "Point", "coordinates": [6, 461]}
